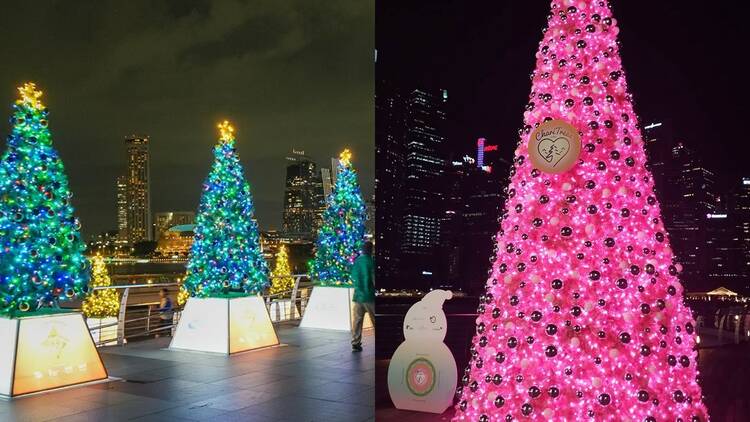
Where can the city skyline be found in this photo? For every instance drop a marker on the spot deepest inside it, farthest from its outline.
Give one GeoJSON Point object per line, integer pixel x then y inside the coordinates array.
{"type": "Point", "coordinates": [307, 85]}
{"type": "Point", "coordinates": [481, 56]}
{"type": "Point", "coordinates": [486, 107]}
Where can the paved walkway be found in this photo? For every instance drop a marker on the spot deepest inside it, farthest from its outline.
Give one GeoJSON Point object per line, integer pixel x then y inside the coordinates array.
{"type": "Point", "coordinates": [315, 378]}
{"type": "Point", "coordinates": [724, 378]}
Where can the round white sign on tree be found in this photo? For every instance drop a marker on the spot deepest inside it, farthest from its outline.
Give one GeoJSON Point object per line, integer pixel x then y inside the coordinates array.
{"type": "Point", "coordinates": [554, 146]}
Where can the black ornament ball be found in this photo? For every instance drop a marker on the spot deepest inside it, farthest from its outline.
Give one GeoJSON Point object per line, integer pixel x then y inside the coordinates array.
{"type": "Point", "coordinates": [526, 409]}
{"type": "Point", "coordinates": [604, 399]}
{"type": "Point", "coordinates": [499, 401]}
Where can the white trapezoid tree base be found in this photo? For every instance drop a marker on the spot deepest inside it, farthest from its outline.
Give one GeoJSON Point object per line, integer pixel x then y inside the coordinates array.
{"type": "Point", "coordinates": [224, 325]}
{"type": "Point", "coordinates": [331, 308]}
{"type": "Point", "coordinates": [46, 352]}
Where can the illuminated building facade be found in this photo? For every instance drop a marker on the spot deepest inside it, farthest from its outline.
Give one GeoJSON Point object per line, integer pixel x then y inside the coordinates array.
{"type": "Point", "coordinates": [474, 199]}
{"type": "Point", "coordinates": [389, 181]}
{"type": "Point", "coordinates": [163, 221]}
{"type": "Point", "coordinates": [176, 241]}
{"type": "Point", "coordinates": [109, 243]}
{"type": "Point", "coordinates": [138, 190]}
{"type": "Point", "coordinates": [423, 185]}
{"type": "Point", "coordinates": [410, 132]}
{"type": "Point", "coordinates": [122, 208]}
{"type": "Point", "coordinates": [303, 197]}
{"type": "Point", "coordinates": [691, 196]}
{"type": "Point", "coordinates": [723, 258]}
{"type": "Point", "coordinates": [688, 193]}
{"type": "Point", "coordinates": [325, 174]}
{"type": "Point", "coordinates": [741, 207]}
{"type": "Point", "coordinates": [270, 241]}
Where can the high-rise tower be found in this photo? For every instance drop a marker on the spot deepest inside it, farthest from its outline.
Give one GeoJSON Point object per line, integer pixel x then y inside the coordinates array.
{"type": "Point", "coordinates": [122, 208]}
{"type": "Point", "coordinates": [138, 191]}
{"type": "Point", "coordinates": [303, 197]}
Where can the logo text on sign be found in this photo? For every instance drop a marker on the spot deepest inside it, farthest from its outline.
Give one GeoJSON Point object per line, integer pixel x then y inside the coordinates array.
{"type": "Point", "coordinates": [554, 146]}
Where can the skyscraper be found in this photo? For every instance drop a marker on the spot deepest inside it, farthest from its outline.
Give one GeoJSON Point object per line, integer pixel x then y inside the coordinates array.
{"type": "Point", "coordinates": [742, 210]}
{"type": "Point", "coordinates": [423, 185]}
{"type": "Point", "coordinates": [723, 258]}
{"type": "Point", "coordinates": [122, 208]}
{"type": "Point", "coordinates": [410, 132]}
{"type": "Point", "coordinates": [691, 196]}
{"type": "Point", "coordinates": [325, 174]}
{"type": "Point", "coordinates": [389, 181]}
{"type": "Point", "coordinates": [138, 191]}
{"type": "Point", "coordinates": [303, 197]}
{"type": "Point", "coordinates": [474, 199]}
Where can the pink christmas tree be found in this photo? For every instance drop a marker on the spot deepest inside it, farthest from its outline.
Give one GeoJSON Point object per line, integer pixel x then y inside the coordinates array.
{"type": "Point", "coordinates": [583, 316]}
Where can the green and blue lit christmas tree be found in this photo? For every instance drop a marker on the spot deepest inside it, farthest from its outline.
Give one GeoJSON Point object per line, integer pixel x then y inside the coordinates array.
{"type": "Point", "coordinates": [226, 255]}
{"type": "Point", "coordinates": [341, 236]}
{"type": "Point", "coordinates": [41, 250]}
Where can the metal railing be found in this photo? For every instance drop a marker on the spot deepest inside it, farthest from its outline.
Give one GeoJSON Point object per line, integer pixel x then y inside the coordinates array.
{"type": "Point", "coordinates": [284, 306]}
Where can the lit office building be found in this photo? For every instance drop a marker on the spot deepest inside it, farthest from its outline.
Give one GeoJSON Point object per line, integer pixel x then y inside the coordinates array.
{"type": "Point", "coordinates": [303, 197]}
{"type": "Point", "coordinates": [122, 208]}
{"type": "Point", "coordinates": [176, 241]}
{"type": "Point", "coordinates": [163, 221]}
{"type": "Point", "coordinates": [138, 191]}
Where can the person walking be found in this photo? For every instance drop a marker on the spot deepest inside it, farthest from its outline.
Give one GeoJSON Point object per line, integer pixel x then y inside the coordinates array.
{"type": "Point", "coordinates": [363, 280]}
{"type": "Point", "coordinates": [166, 313]}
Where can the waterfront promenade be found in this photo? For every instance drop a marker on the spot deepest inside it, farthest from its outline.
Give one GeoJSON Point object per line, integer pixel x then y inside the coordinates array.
{"type": "Point", "coordinates": [314, 376]}
{"type": "Point", "coordinates": [723, 365]}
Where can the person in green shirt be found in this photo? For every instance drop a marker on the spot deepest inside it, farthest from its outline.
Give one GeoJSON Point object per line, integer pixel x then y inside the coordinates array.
{"type": "Point", "coordinates": [363, 280]}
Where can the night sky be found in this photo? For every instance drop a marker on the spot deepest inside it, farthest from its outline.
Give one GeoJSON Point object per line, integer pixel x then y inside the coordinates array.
{"type": "Point", "coordinates": [683, 65]}
{"type": "Point", "coordinates": [289, 74]}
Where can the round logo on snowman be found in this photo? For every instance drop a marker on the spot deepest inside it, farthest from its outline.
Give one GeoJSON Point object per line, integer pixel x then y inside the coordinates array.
{"type": "Point", "coordinates": [554, 146]}
{"type": "Point", "coordinates": [420, 377]}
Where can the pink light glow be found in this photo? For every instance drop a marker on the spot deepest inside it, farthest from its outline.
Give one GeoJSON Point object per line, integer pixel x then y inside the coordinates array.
{"type": "Point", "coordinates": [583, 317]}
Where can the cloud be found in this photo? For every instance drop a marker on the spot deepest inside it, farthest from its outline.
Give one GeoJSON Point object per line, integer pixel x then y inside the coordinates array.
{"type": "Point", "coordinates": [288, 73]}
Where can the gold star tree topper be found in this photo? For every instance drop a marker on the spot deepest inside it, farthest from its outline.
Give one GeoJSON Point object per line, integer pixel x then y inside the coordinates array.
{"type": "Point", "coordinates": [226, 131]}
{"type": "Point", "coordinates": [30, 96]}
{"type": "Point", "coordinates": [345, 157]}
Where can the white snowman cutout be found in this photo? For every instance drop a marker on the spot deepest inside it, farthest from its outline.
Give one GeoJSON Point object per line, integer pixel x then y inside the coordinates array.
{"type": "Point", "coordinates": [422, 374]}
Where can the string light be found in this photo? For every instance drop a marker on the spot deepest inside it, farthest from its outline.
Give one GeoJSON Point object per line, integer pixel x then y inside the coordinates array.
{"type": "Point", "coordinates": [30, 96]}
{"type": "Point", "coordinates": [41, 250]}
{"type": "Point", "coordinates": [182, 296]}
{"type": "Point", "coordinates": [341, 235]}
{"type": "Point", "coordinates": [345, 157]}
{"type": "Point", "coordinates": [282, 280]}
{"type": "Point", "coordinates": [225, 255]}
{"type": "Point", "coordinates": [100, 303]}
{"type": "Point", "coordinates": [582, 318]}
{"type": "Point", "coordinates": [226, 131]}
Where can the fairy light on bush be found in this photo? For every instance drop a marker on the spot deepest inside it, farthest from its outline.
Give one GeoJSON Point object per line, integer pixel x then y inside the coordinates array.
{"type": "Point", "coordinates": [341, 236]}
{"type": "Point", "coordinates": [225, 255]}
{"type": "Point", "coordinates": [41, 251]}
{"type": "Point", "coordinates": [100, 303]}
{"type": "Point", "coordinates": [583, 318]}
{"type": "Point", "coordinates": [282, 273]}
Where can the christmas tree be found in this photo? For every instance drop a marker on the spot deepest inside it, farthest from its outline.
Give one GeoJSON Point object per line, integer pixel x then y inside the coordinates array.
{"type": "Point", "coordinates": [582, 318]}
{"type": "Point", "coordinates": [104, 302]}
{"type": "Point", "coordinates": [341, 235]}
{"type": "Point", "coordinates": [282, 280]}
{"type": "Point", "coordinates": [41, 251]}
{"type": "Point", "coordinates": [226, 256]}
{"type": "Point", "coordinates": [182, 295]}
